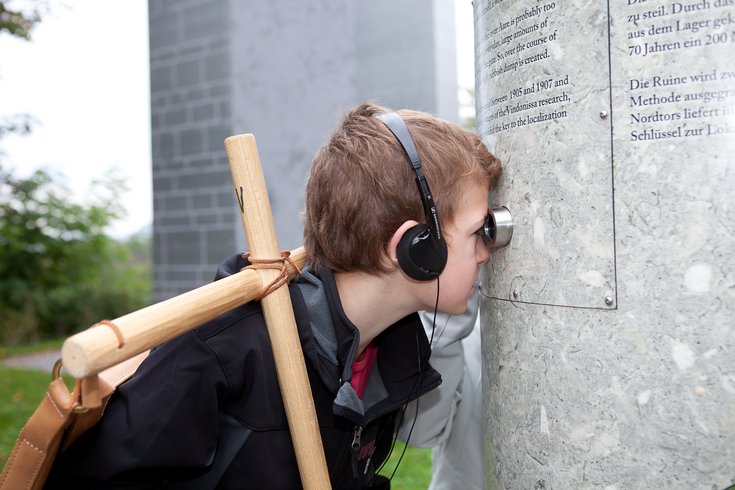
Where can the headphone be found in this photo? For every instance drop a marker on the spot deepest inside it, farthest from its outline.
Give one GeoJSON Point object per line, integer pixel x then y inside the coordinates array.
{"type": "Point", "coordinates": [422, 251]}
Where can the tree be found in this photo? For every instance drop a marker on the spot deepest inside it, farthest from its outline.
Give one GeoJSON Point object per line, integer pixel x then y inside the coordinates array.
{"type": "Point", "coordinates": [59, 269]}
{"type": "Point", "coordinates": [18, 21]}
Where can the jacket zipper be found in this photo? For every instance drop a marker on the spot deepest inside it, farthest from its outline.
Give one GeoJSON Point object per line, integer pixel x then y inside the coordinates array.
{"type": "Point", "coordinates": [357, 434]}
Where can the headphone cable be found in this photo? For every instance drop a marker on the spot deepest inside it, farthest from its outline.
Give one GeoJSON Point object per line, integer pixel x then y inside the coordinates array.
{"type": "Point", "coordinates": [418, 390]}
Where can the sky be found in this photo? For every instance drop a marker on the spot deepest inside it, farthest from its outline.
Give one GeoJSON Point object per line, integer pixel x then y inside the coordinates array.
{"type": "Point", "coordinates": [84, 78]}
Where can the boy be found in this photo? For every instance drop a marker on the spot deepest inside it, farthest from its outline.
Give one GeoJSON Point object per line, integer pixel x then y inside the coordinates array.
{"type": "Point", "coordinates": [205, 410]}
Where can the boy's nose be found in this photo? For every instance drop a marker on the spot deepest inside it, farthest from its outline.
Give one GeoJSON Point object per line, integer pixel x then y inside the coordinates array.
{"type": "Point", "coordinates": [482, 252]}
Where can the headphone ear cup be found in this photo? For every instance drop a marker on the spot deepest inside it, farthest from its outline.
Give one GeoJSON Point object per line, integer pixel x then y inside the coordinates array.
{"type": "Point", "coordinates": [420, 255]}
{"type": "Point", "coordinates": [403, 252]}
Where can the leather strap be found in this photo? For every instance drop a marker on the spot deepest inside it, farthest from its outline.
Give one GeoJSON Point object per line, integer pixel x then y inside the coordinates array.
{"type": "Point", "coordinates": [29, 462]}
{"type": "Point", "coordinates": [59, 420]}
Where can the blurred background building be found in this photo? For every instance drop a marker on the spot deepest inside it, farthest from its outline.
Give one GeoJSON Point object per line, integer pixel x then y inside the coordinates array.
{"type": "Point", "coordinates": [284, 71]}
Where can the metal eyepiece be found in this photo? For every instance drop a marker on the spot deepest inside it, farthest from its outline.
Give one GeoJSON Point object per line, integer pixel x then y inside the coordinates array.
{"type": "Point", "coordinates": [498, 227]}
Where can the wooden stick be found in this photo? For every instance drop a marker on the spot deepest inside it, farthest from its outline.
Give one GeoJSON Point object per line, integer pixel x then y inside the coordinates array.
{"type": "Point", "coordinates": [255, 211]}
{"type": "Point", "coordinates": [95, 349]}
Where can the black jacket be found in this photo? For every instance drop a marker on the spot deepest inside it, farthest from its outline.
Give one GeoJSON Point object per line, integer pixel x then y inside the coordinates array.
{"type": "Point", "coordinates": [205, 411]}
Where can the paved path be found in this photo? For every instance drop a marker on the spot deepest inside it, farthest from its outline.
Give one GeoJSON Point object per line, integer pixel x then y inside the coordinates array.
{"type": "Point", "coordinates": [42, 360]}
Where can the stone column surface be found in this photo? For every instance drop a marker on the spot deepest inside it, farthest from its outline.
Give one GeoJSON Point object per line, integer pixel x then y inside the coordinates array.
{"type": "Point", "coordinates": [609, 321]}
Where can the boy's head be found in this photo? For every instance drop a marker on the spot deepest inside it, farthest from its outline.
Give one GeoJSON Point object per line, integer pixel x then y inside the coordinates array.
{"type": "Point", "coordinates": [362, 189]}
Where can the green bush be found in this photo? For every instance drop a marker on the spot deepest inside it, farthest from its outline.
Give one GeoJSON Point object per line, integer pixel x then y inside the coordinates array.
{"type": "Point", "coordinates": [60, 271]}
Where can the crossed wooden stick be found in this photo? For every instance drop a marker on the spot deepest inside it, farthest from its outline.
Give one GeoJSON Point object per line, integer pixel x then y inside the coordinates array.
{"type": "Point", "coordinates": [93, 350]}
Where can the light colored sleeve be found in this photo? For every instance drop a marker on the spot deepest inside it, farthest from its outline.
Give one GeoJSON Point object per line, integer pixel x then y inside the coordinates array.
{"type": "Point", "coordinates": [434, 412]}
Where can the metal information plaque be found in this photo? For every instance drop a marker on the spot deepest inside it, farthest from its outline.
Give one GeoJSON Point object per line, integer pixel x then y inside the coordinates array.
{"type": "Point", "coordinates": [580, 100]}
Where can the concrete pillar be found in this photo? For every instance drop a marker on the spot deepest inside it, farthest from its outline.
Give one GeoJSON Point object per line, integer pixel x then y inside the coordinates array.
{"type": "Point", "coordinates": [609, 322]}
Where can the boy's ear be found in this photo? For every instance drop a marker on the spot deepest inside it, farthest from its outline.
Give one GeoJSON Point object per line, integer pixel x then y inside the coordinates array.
{"type": "Point", "coordinates": [392, 250]}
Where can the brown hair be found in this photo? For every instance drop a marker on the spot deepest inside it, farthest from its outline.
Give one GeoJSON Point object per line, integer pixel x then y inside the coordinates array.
{"type": "Point", "coordinates": [362, 188]}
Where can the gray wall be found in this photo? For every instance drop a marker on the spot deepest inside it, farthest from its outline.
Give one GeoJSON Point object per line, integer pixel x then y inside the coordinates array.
{"type": "Point", "coordinates": [284, 71]}
{"type": "Point", "coordinates": [608, 326]}
{"type": "Point", "coordinates": [191, 114]}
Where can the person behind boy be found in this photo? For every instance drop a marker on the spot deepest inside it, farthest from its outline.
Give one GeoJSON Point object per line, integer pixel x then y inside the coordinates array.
{"type": "Point", "coordinates": [449, 419]}
{"type": "Point", "coordinates": [204, 410]}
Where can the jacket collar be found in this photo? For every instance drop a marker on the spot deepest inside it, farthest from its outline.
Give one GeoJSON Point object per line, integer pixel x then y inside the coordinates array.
{"type": "Point", "coordinates": [402, 371]}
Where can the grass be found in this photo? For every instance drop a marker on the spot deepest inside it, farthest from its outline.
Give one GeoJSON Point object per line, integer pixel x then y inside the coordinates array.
{"type": "Point", "coordinates": [414, 470]}
{"type": "Point", "coordinates": [21, 390]}
{"type": "Point", "coordinates": [21, 350]}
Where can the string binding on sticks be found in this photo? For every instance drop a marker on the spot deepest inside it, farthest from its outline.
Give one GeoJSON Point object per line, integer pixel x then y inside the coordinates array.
{"type": "Point", "coordinates": [277, 264]}
{"type": "Point", "coordinates": [115, 329]}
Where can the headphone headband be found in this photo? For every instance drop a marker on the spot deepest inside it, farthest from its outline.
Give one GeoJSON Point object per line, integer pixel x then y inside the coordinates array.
{"type": "Point", "coordinates": [421, 251]}
{"type": "Point", "coordinates": [397, 126]}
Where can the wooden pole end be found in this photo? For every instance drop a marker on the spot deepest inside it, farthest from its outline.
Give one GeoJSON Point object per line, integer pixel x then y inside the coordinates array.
{"type": "Point", "coordinates": [75, 357]}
